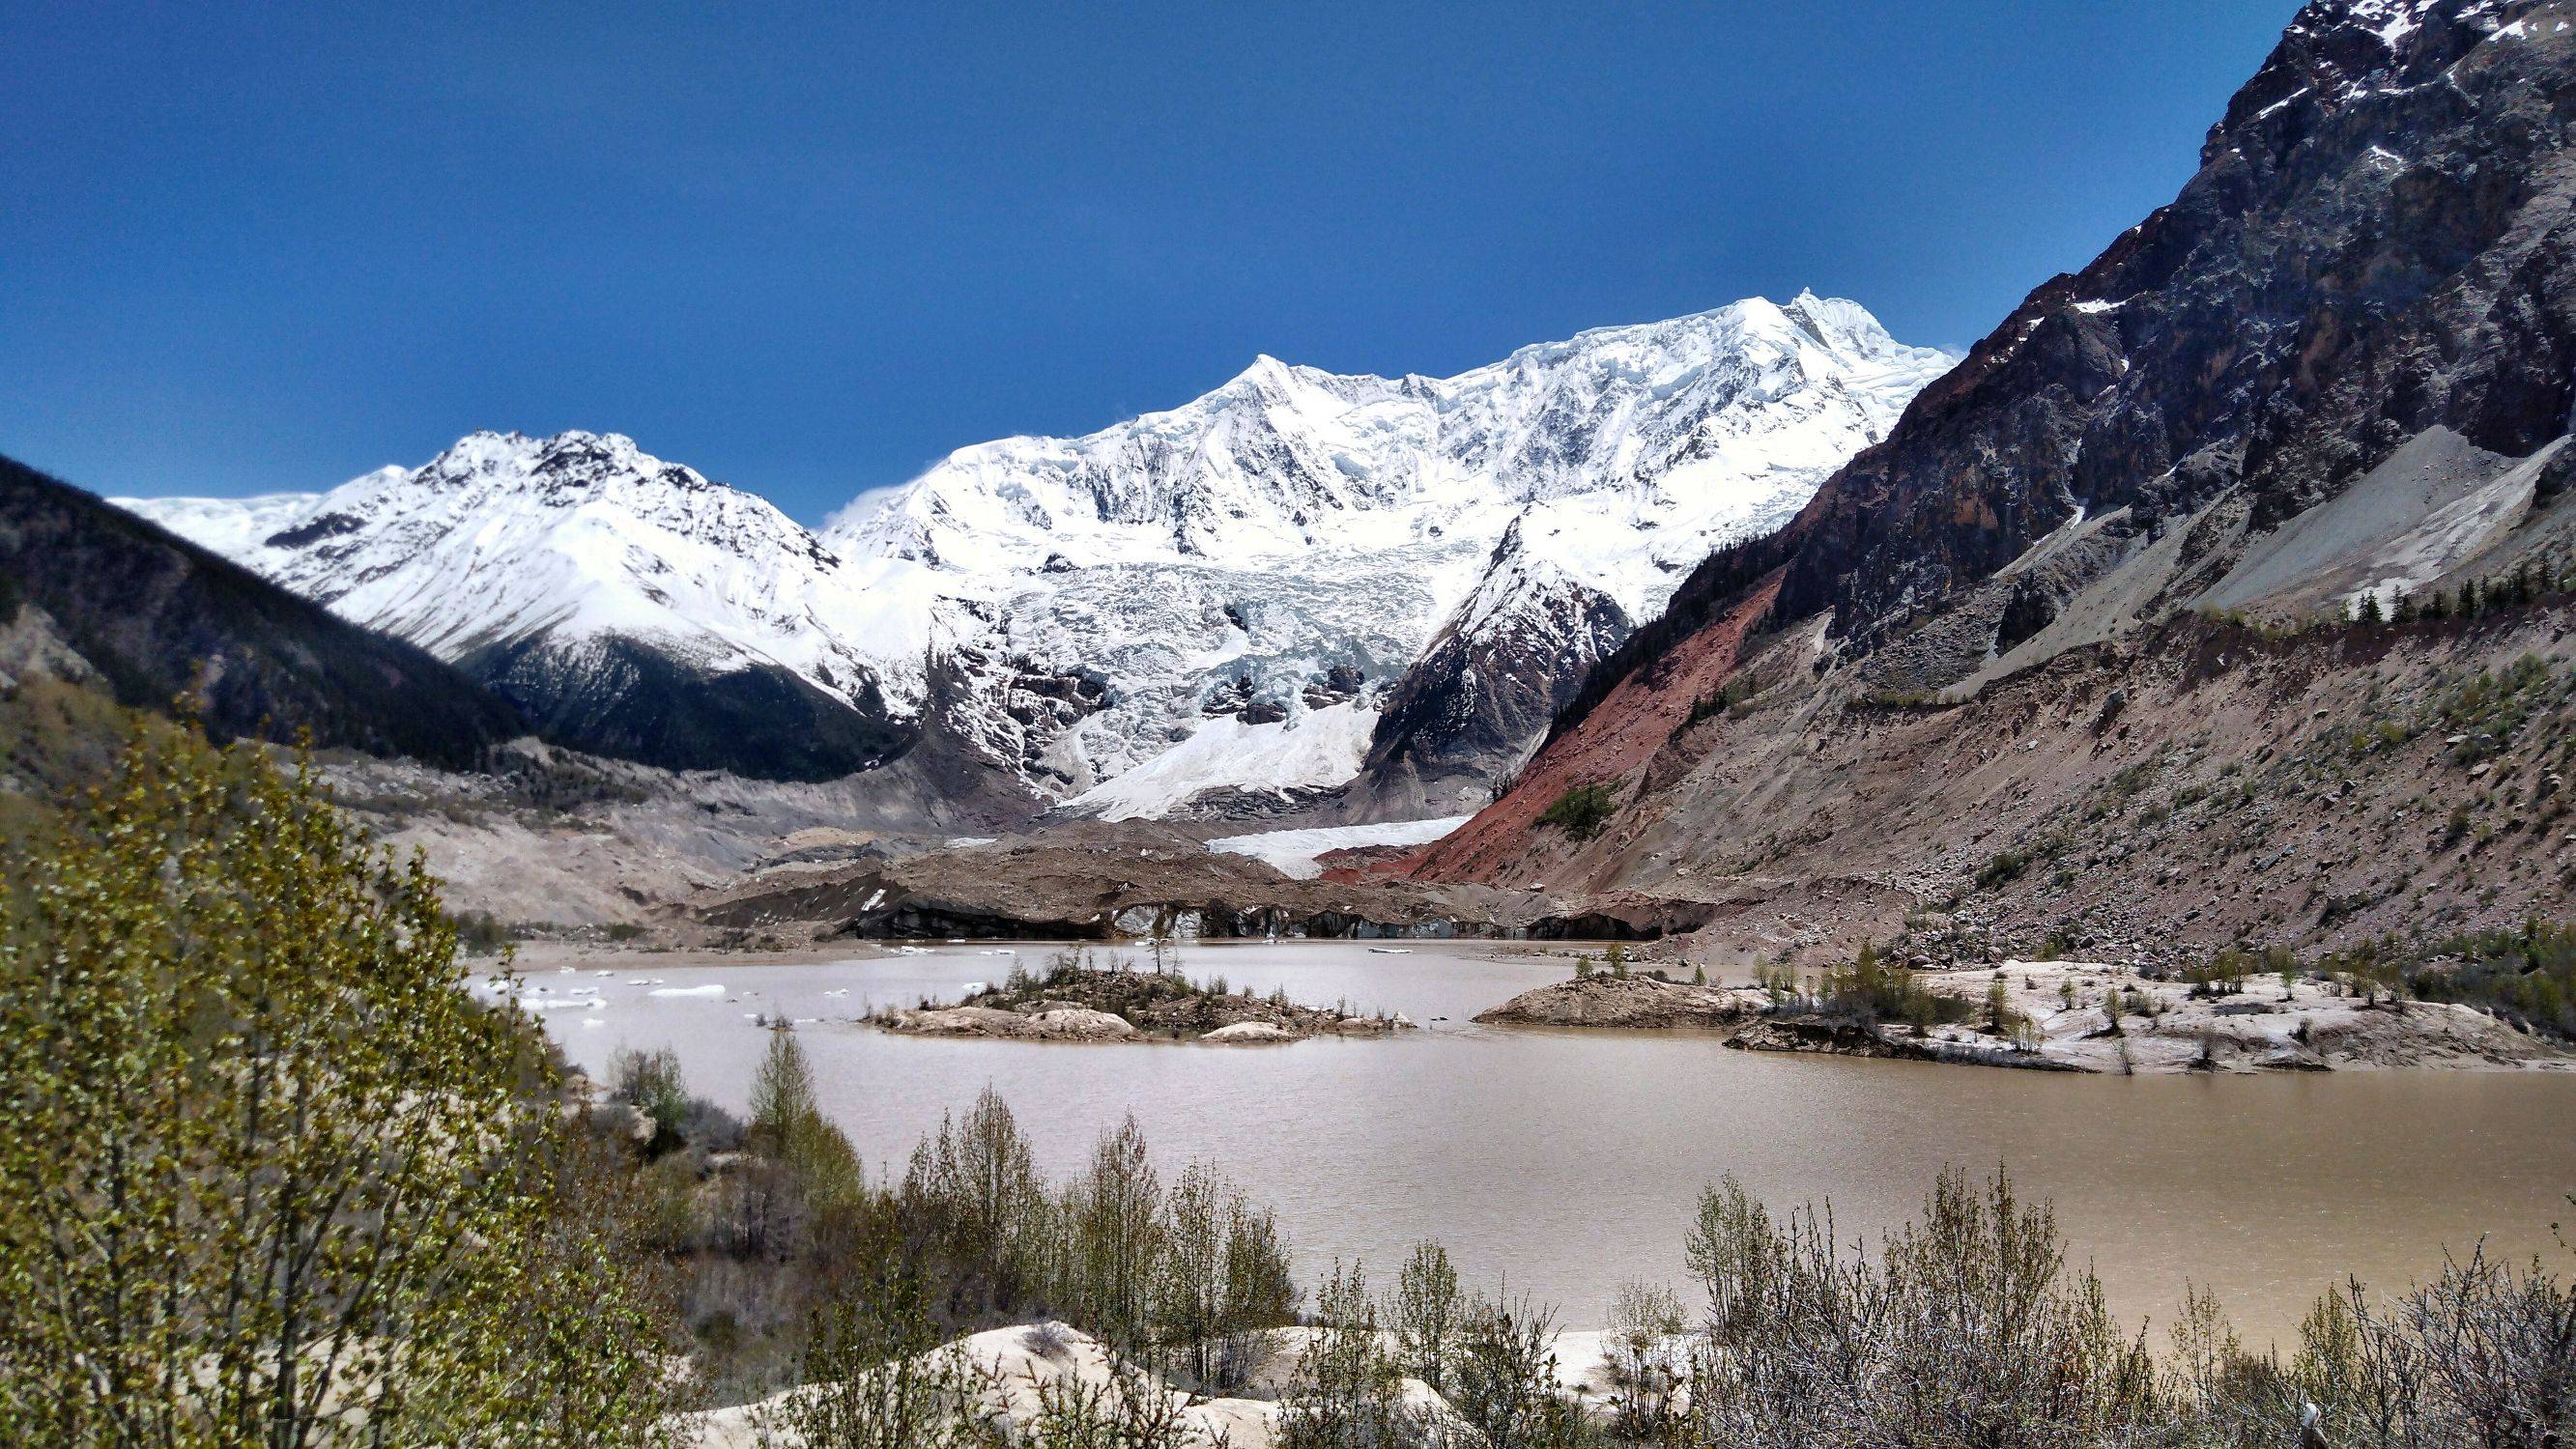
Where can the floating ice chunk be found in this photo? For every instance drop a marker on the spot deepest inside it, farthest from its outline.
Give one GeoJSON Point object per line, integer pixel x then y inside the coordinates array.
{"type": "Point", "coordinates": [707, 991]}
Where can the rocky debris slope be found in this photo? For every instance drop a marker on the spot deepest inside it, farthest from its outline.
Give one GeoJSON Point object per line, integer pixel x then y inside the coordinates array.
{"type": "Point", "coordinates": [2196, 785]}
{"type": "Point", "coordinates": [2049, 656]}
{"type": "Point", "coordinates": [547, 838]}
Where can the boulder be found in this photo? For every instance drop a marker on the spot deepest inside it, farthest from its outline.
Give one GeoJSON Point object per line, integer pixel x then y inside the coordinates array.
{"type": "Point", "coordinates": [1249, 1033]}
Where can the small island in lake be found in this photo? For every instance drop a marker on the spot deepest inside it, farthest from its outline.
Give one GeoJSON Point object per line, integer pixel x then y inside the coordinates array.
{"type": "Point", "coordinates": [1079, 997]}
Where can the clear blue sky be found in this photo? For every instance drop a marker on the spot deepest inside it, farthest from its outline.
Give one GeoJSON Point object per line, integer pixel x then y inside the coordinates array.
{"type": "Point", "coordinates": [809, 250]}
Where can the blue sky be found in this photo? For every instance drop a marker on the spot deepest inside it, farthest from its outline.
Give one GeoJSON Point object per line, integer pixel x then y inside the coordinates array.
{"type": "Point", "coordinates": [810, 249]}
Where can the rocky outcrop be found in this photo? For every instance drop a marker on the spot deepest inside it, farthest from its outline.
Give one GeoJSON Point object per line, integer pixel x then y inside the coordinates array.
{"type": "Point", "coordinates": [1467, 712]}
{"type": "Point", "coordinates": [1248, 1033]}
{"type": "Point", "coordinates": [1061, 1023]}
{"type": "Point", "coordinates": [2063, 1020]}
{"type": "Point", "coordinates": [1635, 1003]}
{"type": "Point", "coordinates": [2376, 244]}
{"type": "Point", "coordinates": [1835, 1036]}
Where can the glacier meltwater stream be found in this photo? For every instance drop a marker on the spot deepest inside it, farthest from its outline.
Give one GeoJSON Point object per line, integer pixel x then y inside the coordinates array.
{"type": "Point", "coordinates": [1571, 1159]}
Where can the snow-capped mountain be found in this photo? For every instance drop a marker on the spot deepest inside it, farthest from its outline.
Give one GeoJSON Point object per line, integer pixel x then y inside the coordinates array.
{"type": "Point", "coordinates": [1280, 552]}
{"type": "Point", "coordinates": [1205, 608]}
{"type": "Point", "coordinates": [628, 603]}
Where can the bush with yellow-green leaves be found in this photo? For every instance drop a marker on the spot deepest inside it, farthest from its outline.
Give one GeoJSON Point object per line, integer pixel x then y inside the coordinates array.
{"type": "Point", "coordinates": [268, 1173]}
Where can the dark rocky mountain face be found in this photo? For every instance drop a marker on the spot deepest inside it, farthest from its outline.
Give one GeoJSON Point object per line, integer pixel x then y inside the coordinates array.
{"type": "Point", "coordinates": [1465, 714]}
{"type": "Point", "coordinates": [626, 699]}
{"type": "Point", "coordinates": [2378, 242]}
{"type": "Point", "coordinates": [156, 617]}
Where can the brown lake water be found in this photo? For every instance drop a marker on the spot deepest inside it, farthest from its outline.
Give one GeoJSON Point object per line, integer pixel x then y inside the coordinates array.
{"type": "Point", "coordinates": [1572, 1159]}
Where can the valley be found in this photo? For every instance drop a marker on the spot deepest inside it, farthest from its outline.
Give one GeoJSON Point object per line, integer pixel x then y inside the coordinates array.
{"type": "Point", "coordinates": [1726, 880]}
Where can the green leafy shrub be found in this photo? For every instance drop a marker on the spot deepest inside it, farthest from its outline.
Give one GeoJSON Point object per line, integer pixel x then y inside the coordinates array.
{"type": "Point", "coordinates": [1582, 810]}
{"type": "Point", "coordinates": [315, 1180]}
{"type": "Point", "coordinates": [2002, 869]}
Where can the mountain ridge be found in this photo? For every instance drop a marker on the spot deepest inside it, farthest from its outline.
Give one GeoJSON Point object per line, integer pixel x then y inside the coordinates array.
{"type": "Point", "coordinates": [154, 618]}
{"type": "Point", "coordinates": [1059, 612]}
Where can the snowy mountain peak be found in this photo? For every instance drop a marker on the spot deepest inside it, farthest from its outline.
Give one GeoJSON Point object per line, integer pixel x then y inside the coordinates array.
{"type": "Point", "coordinates": [505, 540]}
{"type": "Point", "coordinates": [1282, 459]}
{"type": "Point", "coordinates": [1223, 558]}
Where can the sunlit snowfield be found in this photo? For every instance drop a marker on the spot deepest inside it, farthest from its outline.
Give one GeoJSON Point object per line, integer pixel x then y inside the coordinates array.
{"type": "Point", "coordinates": [1574, 1157]}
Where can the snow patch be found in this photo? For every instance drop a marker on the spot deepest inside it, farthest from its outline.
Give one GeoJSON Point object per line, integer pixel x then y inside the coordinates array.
{"type": "Point", "coordinates": [1293, 852]}
{"type": "Point", "coordinates": [1316, 750]}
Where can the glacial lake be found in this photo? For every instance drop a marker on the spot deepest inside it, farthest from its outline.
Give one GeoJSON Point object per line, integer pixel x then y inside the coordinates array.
{"type": "Point", "coordinates": [1574, 1158]}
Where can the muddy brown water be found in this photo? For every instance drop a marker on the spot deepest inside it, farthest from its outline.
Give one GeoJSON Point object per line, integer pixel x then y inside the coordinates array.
{"type": "Point", "coordinates": [1572, 1159]}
